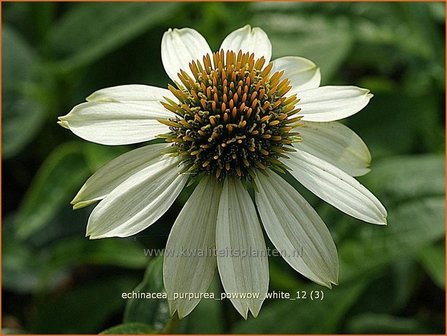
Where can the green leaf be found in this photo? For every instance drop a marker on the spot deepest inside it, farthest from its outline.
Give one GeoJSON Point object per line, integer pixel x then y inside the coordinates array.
{"type": "Point", "coordinates": [433, 260]}
{"type": "Point", "coordinates": [53, 187]}
{"type": "Point", "coordinates": [396, 130]}
{"type": "Point", "coordinates": [18, 58]}
{"type": "Point", "coordinates": [437, 10]}
{"type": "Point", "coordinates": [47, 201]}
{"type": "Point", "coordinates": [110, 25]}
{"type": "Point", "coordinates": [390, 25]}
{"type": "Point", "coordinates": [22, 116]}
{"type": "Point", "coordinates": [423, 176]}
{"type": "Point", "coordinates": [21, 265]}
{"type": "Point", "coordinates": [411, 227]}
{"type": "Point", "coordinates": [153, 311]}
{"type": "Point", "coordinates": [394, 284]}
{"type": "Point", "coordinates": [305, 316]}
{"type": "Point", "coordinates": [83, 309]}
{"type": "Point", "coordinates": [312, 37]}
{"type": "Point", "coordinates": [386, 324]}
{"type": "Point", "coordinates": [97, 155]}
{"type": "Point", "coordinates": [19, 270]}
{"type": "Point", "coordinates": [281, 276]}
{"type": "Point", "coordinates": [120, 252]}
{"type": "Point", "coordinates": [405, 277]}
{"type": "Point", "coordinates": [129, 329]}
{"type": "Point", "coordinates": [27, 268]}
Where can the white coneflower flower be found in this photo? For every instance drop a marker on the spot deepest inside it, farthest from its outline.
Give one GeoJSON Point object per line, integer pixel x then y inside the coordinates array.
{"type": "Point", "coordinates": [232, 120]}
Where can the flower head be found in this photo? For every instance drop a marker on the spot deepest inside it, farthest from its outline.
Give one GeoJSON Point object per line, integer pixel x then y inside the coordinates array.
{"type": "Point", "coordinates": [233, 119]}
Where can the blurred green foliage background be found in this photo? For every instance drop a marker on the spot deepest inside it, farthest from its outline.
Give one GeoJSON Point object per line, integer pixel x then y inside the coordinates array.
{"type": "Point", "coordinates": [392, 279]}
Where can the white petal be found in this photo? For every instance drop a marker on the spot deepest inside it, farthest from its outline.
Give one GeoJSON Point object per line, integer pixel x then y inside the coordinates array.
{"type": "Point", "coordinates": [302, 73]}
{"type": "Point", "coordinates": [239, 232]}
{"type": "Point", "coordinates": [189, 260]}
{"type": "Point", "coordinates": [296, 230]}
{"type": "Point", "coordinates": [115, 172]}
{"type": "Point", "coordinates": [329, 103]}
{"type": "Point", "coordinates": [134, 93]}
{"type": "Point", "coordinates": [115, 123]}
{"type": "Point", "coordinates": [179, 47]}
{"type": "Point", "coordinates": [336, 144]}
{"type": "Point", "coordinates": [247, 39]}
{"type": "Point", "coordinates": [137, 202]}
{"type": "Point", "coordinates": [336, 187]}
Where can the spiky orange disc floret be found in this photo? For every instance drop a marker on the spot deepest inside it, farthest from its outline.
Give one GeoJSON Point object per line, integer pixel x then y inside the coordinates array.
{"type": "Point", "coordinates": [232, 116]}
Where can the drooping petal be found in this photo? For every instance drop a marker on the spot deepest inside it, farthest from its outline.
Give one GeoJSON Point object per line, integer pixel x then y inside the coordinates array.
{"type": "Point", "coordinates": [336, 144]}
{"type": "Point", "coordinates": [329, 103]}
{"type": "Point", "coordinates": [302, 73]}
{"type": "Point", "coordinates": [135, 93]}
{"type": "Point", "coordinates": [115, 123]}
{"type": "Point", "coordinates": [247, 39]}
{"type": "Point", "coordinates": [189, 260]}
{"type": "Point", "coordinates": [137, 202]}
{"type": "Point", "coordinates": [115, 172]}
{"type": "Point", "coordinates": [239, 233]}
{"type": "Point", "coordinates": [336, 187]}
{"type": "Point", "coordinates": [179, 47]}
{"type": "Point", "coordinates": [296, 230]}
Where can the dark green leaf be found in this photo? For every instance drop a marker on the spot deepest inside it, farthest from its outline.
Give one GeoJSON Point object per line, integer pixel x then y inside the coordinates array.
{"type": "Point", "coordinates": [53, 187]}
{"type": "Point", "coordinates": [386, 133]}
{"type": "Point", "coordinates": [21, 265]}
{"type": "Point", "coordinates": [411, 227]}
{"type": "Point", "coordinates": [386, 324]}
{"type": "Point", "coordinates": [406, 178]}
{"type": "Point", "coordinates": [304, 316]}
{"type": "Point", "coordinates": [97, 155]}
{"type": "Point", "coordinates": [18, 58]}
{"type": "Point", "coordinates": [437, 10]}
{"type": "Point", "coordinates": [123, 252]}
{"type": "Point", "coordinates": [153, 311]}
{"type": "Point", "coordinates": [390, 289]}
{"type": "Point", "coordinates": [433, 260]}
{"type": "Point", "coordinates": [92, 303]}
{"type": "Point", "coordinates": [129, 329]}
{"type": "Point", "coordinates": [109, 27]}
{"type": "Point", "coordinates": [308, 36]}
{"type": "Point", "coordinates": [22, 115]}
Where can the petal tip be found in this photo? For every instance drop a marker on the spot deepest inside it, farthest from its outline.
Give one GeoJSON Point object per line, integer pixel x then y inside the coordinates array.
{"type": "Point", "coordinates": [91, 97]}
{"type": "Point", "coordinates": [181, 315]}
{"type": "Point", "coordinates": [380, 221]}
{"type": "Point", "coordinates": [244, 314]}
{"type": "Point", "coordinates": [172, 304]}
{"type": "Point", "coordinates": [76, 205]}
{"type": "Point", "coordinates": [63, 123]}
{"type": "Point", "coordinates": [335, 280]}
{"type": "Point", "coordinates": [92, 236]}
{"type": "Point", "coordinates": [75, 200]}
{"type": "Point", "coordinates": [255, 309]}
